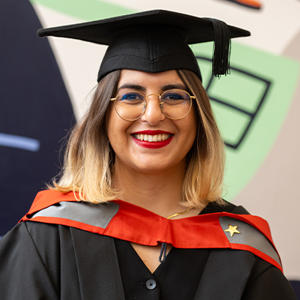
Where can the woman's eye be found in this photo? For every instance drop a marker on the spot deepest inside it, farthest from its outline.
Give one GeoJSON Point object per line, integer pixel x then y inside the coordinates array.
{"type": "Point", "coordinates": [131, 96]}
{"type": "Point", "coordinates": [173, 96]}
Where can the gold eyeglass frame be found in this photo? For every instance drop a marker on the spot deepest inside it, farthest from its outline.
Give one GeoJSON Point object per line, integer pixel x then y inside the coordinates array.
{"type": "Point", "coordinates": [160, 103]}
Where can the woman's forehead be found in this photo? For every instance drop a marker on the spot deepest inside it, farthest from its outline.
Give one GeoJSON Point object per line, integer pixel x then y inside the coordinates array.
{"type": "Point", "coordinates": [147, 79]}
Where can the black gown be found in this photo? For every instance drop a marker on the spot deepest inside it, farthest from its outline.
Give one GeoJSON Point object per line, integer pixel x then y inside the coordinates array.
{"type": "Point", "coordinates": [47, 261]}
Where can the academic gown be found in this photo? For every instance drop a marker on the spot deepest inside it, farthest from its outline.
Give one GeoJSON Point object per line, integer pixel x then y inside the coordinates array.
{"type": "Point", "coordinates": [51, 261]}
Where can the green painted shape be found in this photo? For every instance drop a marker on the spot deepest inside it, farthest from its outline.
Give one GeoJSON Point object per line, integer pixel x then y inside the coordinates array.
{"type": "Point", "coordinates": [85, 9]}
{"type": "Point", "coordinates": [236, 89]}
{"type": "Point", "coordinates": [230, 133]}
{"type": "Point", "coordinates": [245, 92]}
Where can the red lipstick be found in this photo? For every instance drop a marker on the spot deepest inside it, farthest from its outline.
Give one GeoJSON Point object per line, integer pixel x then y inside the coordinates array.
{"type": "Point", "coordinates": [153, 145]}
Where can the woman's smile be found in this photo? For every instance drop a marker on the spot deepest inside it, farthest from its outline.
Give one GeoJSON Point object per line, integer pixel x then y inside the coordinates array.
{"type": "Point", "coordinates": [152, 138]}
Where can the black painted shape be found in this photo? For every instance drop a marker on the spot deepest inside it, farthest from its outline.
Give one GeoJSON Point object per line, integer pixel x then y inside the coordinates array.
{"type": "Point", "coordinates": [296, 286]}
{"type": "Point", "coordinates": [34, 104]}
{"type": "Point", "coordinates": [251, 114]}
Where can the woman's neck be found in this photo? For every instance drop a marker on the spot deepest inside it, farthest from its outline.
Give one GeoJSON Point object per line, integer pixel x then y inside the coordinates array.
{"type": "Point", "coordinates": [159, 192]}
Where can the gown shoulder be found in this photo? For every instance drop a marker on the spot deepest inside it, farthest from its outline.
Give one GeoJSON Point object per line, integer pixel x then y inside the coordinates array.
{"type": "Point", "coordinates": [26, 268]}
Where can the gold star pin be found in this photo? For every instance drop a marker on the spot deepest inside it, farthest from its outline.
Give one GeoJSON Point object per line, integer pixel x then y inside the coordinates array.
{"type": "Point", "coordinates": [232, 230]}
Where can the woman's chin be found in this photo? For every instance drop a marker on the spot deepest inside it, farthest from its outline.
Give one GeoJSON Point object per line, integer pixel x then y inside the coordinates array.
{"type": "Point", "coordinates": [151, 168]}
{"type": "Point", "coordinates": [152, 165]}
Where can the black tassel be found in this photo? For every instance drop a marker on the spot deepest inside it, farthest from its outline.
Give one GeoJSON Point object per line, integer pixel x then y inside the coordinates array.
{"type": "Point", "coordinates": [222, 40]}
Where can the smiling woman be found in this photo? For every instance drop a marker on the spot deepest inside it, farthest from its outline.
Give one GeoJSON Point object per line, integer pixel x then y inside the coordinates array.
{"type": "Point", "coordinates": [137, 213]}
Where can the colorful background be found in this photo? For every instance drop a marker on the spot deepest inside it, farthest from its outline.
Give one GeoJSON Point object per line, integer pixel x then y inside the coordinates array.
{"type": "Point", "coordinates": [46, 85]}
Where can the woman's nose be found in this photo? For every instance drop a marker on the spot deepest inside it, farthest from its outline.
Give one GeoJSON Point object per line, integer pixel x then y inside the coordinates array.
{"type": "Point", "coordinates": [153, 113]}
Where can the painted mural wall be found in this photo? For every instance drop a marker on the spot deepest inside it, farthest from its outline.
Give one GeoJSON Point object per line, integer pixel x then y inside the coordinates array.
{"type": "Point", "coordinates": [257, 106]}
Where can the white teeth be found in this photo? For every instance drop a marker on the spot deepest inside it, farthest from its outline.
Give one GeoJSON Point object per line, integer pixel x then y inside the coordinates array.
{"type": "Point", "coordinates": [152, 138]}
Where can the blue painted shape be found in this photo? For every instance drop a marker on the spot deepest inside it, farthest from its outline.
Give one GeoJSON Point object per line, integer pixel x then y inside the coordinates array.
{"type": "Point", "coordinates": [20, 142]}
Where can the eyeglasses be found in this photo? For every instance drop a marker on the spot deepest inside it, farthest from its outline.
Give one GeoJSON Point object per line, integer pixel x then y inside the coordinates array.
{"type": "Point", "coordinates": [175, 104]}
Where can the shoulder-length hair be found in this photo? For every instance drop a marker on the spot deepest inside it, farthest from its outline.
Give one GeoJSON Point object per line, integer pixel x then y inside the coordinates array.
{"type": "Point", "coordinates": [89, 158]}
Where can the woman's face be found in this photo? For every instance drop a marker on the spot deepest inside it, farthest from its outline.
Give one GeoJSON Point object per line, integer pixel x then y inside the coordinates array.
{"type": "Point", "coordinates": [171, 139]}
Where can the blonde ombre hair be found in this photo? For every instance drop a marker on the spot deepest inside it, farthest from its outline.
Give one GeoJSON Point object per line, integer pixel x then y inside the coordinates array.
{"type": "Point", "coordinates": [89, 158]}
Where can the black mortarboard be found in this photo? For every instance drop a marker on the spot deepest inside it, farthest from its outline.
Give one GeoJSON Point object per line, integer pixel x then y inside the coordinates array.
{"type": "Point", "coordinates": [153, 41]}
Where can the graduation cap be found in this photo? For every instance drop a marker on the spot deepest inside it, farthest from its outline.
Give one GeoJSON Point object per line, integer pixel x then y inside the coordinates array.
{"type": "Point", "coordinates": [153, 41]}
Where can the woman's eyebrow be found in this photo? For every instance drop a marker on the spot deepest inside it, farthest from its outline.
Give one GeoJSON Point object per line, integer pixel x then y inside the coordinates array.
{"type": "Point", "coordinates": [173, 86]}
{"type": "Point", "coordinates": [132, 86]}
